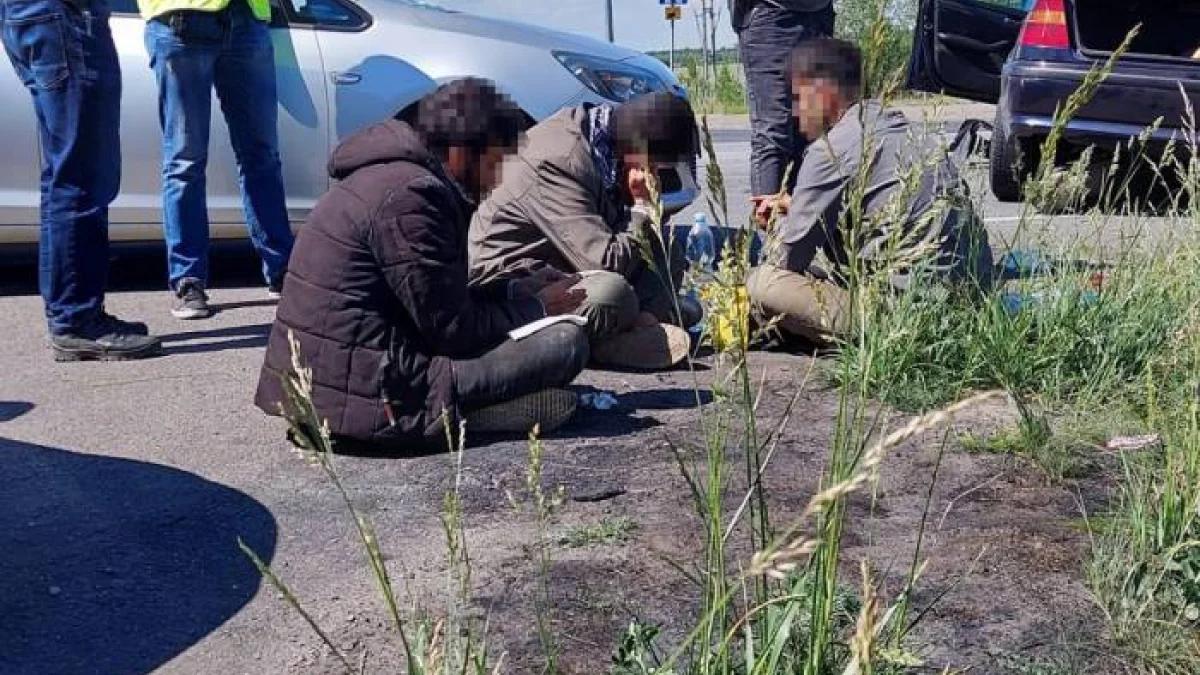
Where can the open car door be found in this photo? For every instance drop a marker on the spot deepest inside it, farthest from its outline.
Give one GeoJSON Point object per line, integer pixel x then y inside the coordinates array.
{"type": "Point", "coordinates": [959, 46]}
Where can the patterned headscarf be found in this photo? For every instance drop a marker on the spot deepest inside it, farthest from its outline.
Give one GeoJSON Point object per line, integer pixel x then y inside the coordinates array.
{"type": "Point", "coordinates": [600, 140]}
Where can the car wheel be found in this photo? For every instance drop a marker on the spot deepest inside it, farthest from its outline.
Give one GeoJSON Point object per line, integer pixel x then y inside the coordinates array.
{"type": "Point", "coordinates": [1009, 168]}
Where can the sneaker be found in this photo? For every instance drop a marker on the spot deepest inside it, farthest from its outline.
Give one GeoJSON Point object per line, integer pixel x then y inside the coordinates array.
{"type": "Point", "coordinates": [275, 290]}
{"type": "Point", "coordinates": [548, 409]}
{"type": "Point", "coordinates": [192, 301]}
{"type": "Point", "coordinates": [644, 348]}
{"type": "Point", "coordinates": [108, 339]}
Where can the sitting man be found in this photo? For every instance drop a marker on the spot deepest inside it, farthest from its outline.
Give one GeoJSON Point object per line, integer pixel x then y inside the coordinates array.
{"type": "Point", "coordinates": [914, 215]}
{"type": "Point", "coordinates": [376, 290]}
{"type": "Point", "coordinates": [576, 201]}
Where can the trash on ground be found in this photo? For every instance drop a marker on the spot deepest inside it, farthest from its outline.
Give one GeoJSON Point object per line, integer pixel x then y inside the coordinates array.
{"type": "Point", "coordinates": [600, 400]}
{"type": "Point", "coordinates": [1134, 442]}
{"type": "Point", "coordinates": [1017, 301]}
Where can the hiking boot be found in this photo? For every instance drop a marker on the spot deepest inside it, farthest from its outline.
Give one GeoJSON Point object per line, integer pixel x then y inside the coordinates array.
{"type": "Point", "coordinates": [131, 327]}
{"type": "Point", "coordinates": [655, 347]}
{"type": "Point", "coordinates": [548, 409]}
{"type": "Point", "coordinates": [106, 339]}
{"type": "Point", "coordinates": [191, 301]}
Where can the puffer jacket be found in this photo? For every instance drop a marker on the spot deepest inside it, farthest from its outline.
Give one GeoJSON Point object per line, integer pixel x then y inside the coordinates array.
{"type": "Point", "coordinates": [376, 293]}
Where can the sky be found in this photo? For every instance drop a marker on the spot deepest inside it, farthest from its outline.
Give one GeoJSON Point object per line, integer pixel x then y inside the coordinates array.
{"type": "Point", "coordinates": [637, 23]}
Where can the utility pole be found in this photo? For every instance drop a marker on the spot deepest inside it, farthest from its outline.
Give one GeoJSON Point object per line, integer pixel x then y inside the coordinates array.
{"type": "Point", "coordinates": [714, 16]}
{"type": "Point", "coordinates": [609, 14]}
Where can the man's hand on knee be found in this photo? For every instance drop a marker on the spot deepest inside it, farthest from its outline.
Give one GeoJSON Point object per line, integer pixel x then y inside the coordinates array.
{"type": "Point", "coordinates": [563, 296]}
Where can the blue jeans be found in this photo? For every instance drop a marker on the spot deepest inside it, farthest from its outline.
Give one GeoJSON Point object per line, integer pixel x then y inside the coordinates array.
{"type": "Point", "coordinates": [191, 54]}
{"type": "Point", "coordinates": [765, 44]}
{"type": "Point", "coordinates": [66, 58]}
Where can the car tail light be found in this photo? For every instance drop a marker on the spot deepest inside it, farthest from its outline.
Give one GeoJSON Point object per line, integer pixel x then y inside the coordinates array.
{"type": "Point", "coordinates": [1046, 25]}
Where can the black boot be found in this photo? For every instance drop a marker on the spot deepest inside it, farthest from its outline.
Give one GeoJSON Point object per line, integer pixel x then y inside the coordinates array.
{"type": "Point", "coordinates": [105, 339]}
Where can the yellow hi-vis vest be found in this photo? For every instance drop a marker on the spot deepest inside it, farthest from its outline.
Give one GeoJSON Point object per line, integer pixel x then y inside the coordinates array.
{"type": "Point", "coordinates": [153, 8]}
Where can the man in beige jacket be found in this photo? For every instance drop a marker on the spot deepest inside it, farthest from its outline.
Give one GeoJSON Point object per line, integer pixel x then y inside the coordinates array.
{"type": "Point", "coordinates": [575, 201]}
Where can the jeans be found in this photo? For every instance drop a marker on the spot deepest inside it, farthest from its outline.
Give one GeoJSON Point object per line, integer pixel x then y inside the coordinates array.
{"type": "Point", "coordinates": [765, 44]}
{"type": "Point", "coordinates": [191, 54]}
{"type": "Point", "coordinates": [66, 58]}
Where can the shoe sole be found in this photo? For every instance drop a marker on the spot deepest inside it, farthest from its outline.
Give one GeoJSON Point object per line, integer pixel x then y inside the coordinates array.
{"type": "Point", "coordinates": [549, 410]}
{"type": "Point", "coordinates": [62, 355]}
{"type": "Point", "coordinates": [191, 314]}
{"type": "Point", "coordinates": [647, 348]}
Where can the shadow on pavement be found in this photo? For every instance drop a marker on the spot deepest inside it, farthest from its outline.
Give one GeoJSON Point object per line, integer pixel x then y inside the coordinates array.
{"type": "Point", "coordinates": [11, 410]}
{"type": "Point", "coordinates": [615, 422]}
{"type": "Point", "coordinates": [244, 304]}
{"type": "Point", "coordinates": [217, 340]}
{"type": "Point", "coordinates": [117, 566]}
{"type": "Point", "coordinates": [664, 399]}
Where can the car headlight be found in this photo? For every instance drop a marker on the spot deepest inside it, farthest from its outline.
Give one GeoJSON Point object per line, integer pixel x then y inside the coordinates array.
{"type": "Point", "coordinates": [613, 80]}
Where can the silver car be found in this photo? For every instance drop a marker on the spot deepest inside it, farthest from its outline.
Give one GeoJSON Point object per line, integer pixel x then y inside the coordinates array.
{"type": "Point", "coordinates": [340, 65]}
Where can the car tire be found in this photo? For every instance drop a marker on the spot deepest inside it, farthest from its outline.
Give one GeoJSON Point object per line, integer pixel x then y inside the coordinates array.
{"type": "Point", "coordinates": [1009, 169]}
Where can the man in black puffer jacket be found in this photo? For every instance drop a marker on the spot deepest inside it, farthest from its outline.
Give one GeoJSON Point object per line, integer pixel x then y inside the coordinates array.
{"type": "Point", "coordinates": [767, 31]}
{"type": "Point", "coordinates": [376, 290]}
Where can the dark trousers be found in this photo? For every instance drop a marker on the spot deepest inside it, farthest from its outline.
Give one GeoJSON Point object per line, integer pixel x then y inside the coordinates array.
{"type": "Point", "coordinates": [66, 59]}
{"type": "Point", "coordinates": [765, 44]}
{"type": "Point", "coordinates": [550, 358]}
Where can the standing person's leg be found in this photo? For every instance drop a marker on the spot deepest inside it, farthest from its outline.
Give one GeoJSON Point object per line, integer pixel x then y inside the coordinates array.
{"type": "Point", "coordinates": [765, 44]}
{"type": "Point", "coordinates": [245, 81]}
{"type": "Point", "coordinates": [66, 58]}
{"type": "Point", "coordinates": [183, 52]}
{"type": "Point", "coordinates": [519, 384]}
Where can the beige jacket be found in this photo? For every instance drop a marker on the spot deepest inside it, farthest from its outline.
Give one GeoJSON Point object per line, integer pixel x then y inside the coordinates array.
{"type": "Point", "coordinates": [551, 209]}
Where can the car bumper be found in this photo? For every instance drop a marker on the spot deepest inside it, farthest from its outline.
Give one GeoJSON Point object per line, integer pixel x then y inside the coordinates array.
{"type": "Point", "coordinates": [1124, 107]}
{"type": "Point", "coordinates": [1094, 132]}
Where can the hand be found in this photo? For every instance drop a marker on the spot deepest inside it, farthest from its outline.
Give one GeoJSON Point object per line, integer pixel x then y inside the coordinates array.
{"type": "Point", "coordinates": [529, 286]}
{"type": "Point", "coordinates": [561, 297]}
{"type": "Point", "coordinates": [635, 181]}
{"type": "Point", "coordinates": [767, 207]}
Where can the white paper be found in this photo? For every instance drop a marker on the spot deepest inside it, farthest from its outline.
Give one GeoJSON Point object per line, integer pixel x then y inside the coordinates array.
{"type": "Point", "coordinates": [530, 328]}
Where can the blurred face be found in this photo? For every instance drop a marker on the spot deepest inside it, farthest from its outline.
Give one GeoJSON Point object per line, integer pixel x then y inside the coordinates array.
{"type": "Point", "coordinates": [477, 172]}
{"type": "Point", "coordinates": [817, 105]}
{"type": "Point", "coordinates": [490, 164]}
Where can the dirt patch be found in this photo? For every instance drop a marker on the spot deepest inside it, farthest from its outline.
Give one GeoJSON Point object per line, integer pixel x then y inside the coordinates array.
{"type": "Point", "coordinates": [1004, 552]}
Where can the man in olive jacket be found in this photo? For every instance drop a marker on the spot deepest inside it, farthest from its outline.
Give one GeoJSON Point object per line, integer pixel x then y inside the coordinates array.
{"type": "Point", "coordinates": [376, 290]}
{"type": "Point", "coordinates": [576, 200]}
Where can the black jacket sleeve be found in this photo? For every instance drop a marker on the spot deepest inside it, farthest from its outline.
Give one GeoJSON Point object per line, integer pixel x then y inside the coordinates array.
{"type": "Point", "coordinates": [421, 248]}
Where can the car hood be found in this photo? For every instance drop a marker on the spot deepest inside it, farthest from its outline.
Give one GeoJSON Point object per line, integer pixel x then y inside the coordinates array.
{"type": "Point", "coordinates": [514, 32]}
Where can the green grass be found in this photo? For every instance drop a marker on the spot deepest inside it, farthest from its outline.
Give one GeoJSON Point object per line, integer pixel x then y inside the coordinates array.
{"type": "Point", "coordinates": [616, 530]}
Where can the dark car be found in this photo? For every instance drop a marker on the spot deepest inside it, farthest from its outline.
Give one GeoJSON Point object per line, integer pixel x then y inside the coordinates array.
{"type": "Point", "coordinates": [1030, 55]}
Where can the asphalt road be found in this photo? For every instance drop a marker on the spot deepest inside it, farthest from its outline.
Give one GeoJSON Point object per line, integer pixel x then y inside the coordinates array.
{"type": "Point", "coordinates": [123, 487]}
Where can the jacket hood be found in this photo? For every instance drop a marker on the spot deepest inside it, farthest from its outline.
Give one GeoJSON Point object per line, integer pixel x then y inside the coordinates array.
{"type": "Point", "coordinates": [382, 143]}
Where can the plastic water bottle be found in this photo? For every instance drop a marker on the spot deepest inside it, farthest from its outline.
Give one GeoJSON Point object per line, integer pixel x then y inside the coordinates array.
{"type": "Point", "coordinates": [701, 245]}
